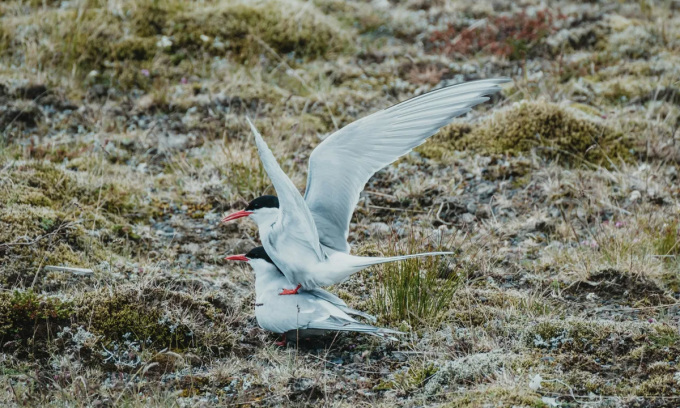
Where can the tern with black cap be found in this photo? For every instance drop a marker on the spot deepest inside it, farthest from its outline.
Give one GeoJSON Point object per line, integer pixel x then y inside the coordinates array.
{"type": "Point", "coordinates": [307, 237]}
{"type": "Point", "coordinates": [311, 310]}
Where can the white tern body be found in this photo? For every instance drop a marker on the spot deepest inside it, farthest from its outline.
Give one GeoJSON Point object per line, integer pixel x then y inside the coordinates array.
{"type": "Point", "coordinates": [307, 237]}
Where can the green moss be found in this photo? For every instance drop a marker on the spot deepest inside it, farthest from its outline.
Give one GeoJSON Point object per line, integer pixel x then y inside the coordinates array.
{"type": "Point", "coordinates": [32, 237]}
{"type": "Point", "coordinates": [668, 242]}
{"type": "Point", "coordinates": [365, 19]}
{"type": "Point", "coordinates": [445, 141]}
{"type": "Point", "coordinates": [664, 336]}
{"type": "Point", "coordinates": [496, 397]}
{"type": "Point", "coordinates": [150, 17]}
{"type": "Point", "coordinates": [552, 131]}
{"type": "Point", "coordinates": [31, 319]}
{"type": "Point", "coordinates": [671, 278]}
{"type": "Point", "coordinates": [117, 46]}
{"type": "Point", "coordinates": [153, 318]}
{"type": "Point", "coordinates": [87, 39]}
{"type": "Point", "coordinates": [414, 377]}
{"type": "Point", "coordinates": [19, 311]}
{"type": "Point", "coordinates": [5, 39]}
{"type": "Point", "coordinates": [241, 27]}
{"type": "Point", "coordinates": [124, 313]}
{"type": "Point", "coordinates": [659, 385]}
{"type": "Point", "coordinates": [134, 49]}
{"type": "Point", "coordinates": [46, 218]}
{"type": "Point", "coordinates": [45, 184]}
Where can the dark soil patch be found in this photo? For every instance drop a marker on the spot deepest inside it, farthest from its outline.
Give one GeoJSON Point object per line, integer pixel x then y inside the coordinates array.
{"type": "Point", "coordinates": [613, 286]}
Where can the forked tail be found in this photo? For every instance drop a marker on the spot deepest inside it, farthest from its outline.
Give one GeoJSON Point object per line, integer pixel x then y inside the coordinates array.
{"type": "Point", "coordinates": [342, 265]}
{"type": "Point", "coordinates": [376, 260]}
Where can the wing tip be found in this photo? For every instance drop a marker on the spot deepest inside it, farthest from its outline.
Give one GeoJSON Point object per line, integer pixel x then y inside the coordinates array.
{"type": "Point", "coordinates": [252, 127]}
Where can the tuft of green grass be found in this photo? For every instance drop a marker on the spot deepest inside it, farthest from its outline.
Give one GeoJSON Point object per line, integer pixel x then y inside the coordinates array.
{"type": "Point", "coordinates": [416, 291]}
{"type": "Point", "coordinates": [668, 242]}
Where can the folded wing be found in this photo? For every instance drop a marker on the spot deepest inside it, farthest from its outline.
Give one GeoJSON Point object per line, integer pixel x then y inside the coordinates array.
{"type": "Point", "coordinates": [339, 303]}
{"type": "Point", "coordinates": [342, 164]}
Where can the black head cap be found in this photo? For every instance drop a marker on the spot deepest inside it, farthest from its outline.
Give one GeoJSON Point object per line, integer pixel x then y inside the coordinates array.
{"type": "Point", "coordinates": [265, 201]}
{"type": "Point", "coordinates": [259, 253]}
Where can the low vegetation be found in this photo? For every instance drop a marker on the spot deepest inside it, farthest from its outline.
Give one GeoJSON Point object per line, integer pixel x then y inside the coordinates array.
{"type": "Point", "coordinates": [541, 128]}
{"type": "Point", "coordinates": [416, 291]}
{"type": "Point", "coordinates": [123, 142]}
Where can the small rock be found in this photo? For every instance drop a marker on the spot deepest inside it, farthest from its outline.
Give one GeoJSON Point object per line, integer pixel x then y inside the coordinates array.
{"type": "Point", "coordinates": [145, 102]}
{"type": "Point", "coordinates": [471, 208]}
{"type": "Point", "coordinates": [591, 297]}
{"type": "Point", "coordinates": [486, 190]}
{"type": "Point", "coordinates": [634, 196]}
{"type": "Point", "coordinates": [379, 228]}
{"type": "Point", "coordinates": [467, 218]}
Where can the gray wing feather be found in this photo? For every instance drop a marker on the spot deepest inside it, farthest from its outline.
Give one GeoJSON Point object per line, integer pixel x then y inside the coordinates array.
{"type": "Point", "coordinates": [294, 218]}
{"type": "Point", "coordinates": [359, 313]}
{"type": "Point", "coordinates": [348, 158]}
{"type": "Point", "coordinates": [327, 296]}
{"type": "Point", "coordinates": [340, 324]}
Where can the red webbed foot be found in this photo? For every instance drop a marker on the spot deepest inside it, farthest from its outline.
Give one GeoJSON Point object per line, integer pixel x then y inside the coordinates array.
{"type": "Point", "coordinates": [281, 343]}
{"type": "Point", "coordinates": [291, 291]}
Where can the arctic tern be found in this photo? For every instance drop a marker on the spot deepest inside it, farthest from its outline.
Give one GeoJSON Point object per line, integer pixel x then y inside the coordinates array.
{"type": "Point", "coordinates": [307, 237]}
{"type": "Point", "coordinates": [310, 311]}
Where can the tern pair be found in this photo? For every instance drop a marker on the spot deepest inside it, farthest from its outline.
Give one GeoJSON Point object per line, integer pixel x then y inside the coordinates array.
{"type": "Point", "coordinates": [304, 239]}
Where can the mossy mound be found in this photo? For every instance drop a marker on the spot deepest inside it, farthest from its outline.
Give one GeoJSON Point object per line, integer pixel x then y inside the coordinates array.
{"type": "Point", "coordinates": [49, 217]}
{"type": "Point", "coordinates": [550, 130]}
{"type": "Point", "coordinates": [162, 318]}
{"type": "Point", "coordinates": [133, 315]}
{"type": "Point", "coordinates": [242, 28]}
{"type": "Point", "coordinates": [145, 43]}
{"type": "Point", "coordinates": [27, 319]}
{"type": "Point", "coordinates": [155, 319]}
{"type": "Point", "coordinates": [640, 359]}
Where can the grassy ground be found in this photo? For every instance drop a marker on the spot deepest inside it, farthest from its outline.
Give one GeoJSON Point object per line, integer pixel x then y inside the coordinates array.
{"type": "Point", "coordinates": [124, 141]}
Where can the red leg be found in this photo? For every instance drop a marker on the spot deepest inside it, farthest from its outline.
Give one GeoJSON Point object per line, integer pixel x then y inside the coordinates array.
{"type": "Point", "coordinates": [291, 291]}
{"type": "Point", "coordinates": [282, 343]}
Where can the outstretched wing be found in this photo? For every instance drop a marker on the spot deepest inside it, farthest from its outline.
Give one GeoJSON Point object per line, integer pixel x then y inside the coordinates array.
{"type": "Point", "coordinates": [342, 164]}
{"type": "Point", "coordinates": [295, 220]}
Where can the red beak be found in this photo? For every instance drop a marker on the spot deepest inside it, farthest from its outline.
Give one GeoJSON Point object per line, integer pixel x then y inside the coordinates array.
{"type": "Point", "coordinates": [236, 215]}
{"type": "Point", "coordinates": [237, 258]}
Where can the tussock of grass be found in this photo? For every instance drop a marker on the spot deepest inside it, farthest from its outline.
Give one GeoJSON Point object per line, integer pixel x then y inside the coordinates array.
{"type": "Point", "coordinates": [248, 178]}
{"type": "Point", "coordinates": [417, 291]}
{"type": "Point", "coordinates": [668, 242]}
